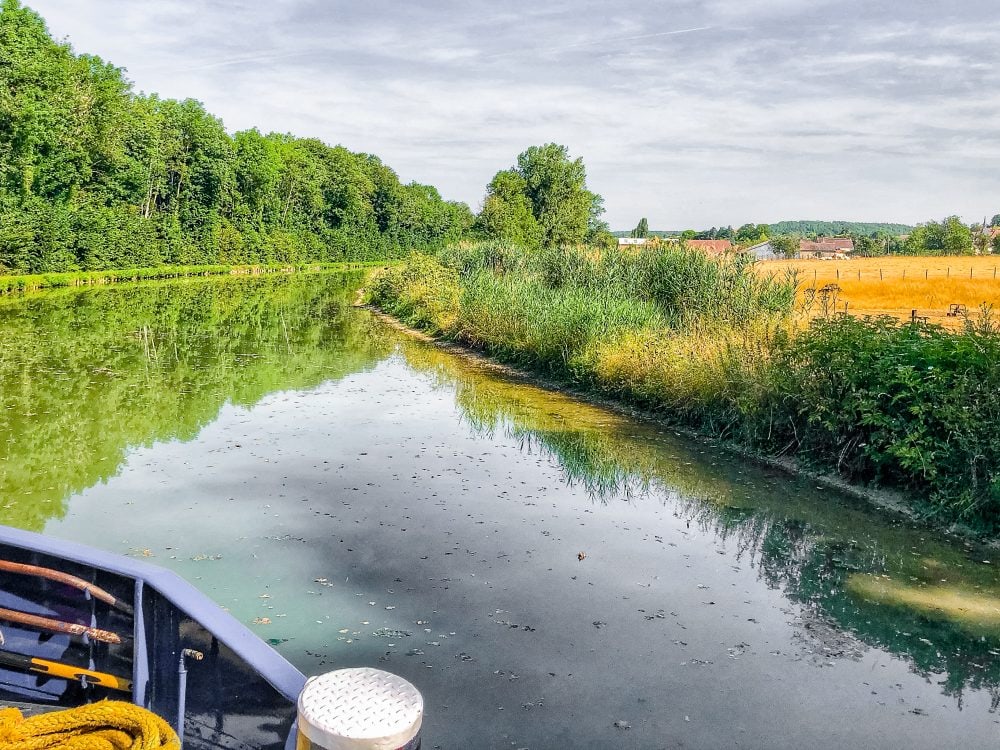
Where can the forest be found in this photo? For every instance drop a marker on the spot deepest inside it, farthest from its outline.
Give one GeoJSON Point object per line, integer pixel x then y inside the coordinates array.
{"type": "Point", "coordinates": [94, 175]}
{"type": "Point", "coordinates": [839, 228]}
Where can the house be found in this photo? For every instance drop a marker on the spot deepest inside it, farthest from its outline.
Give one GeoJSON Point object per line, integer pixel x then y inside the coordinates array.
{"type": "Point", "coordinates": [622, 241]}
{"type": "Point", "coordinates": [826, 248]}
{"type": "Point", "coordinates": [712, 247]}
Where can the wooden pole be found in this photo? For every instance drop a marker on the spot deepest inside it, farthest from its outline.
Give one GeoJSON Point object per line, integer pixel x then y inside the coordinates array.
{"type": "Point", "coordinates": [58, 626]}
{"type": "Point", "coordinates": [66, 578]}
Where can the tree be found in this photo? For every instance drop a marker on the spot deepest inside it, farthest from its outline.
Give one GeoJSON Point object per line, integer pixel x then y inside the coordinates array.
{"type": "Point", "coordinates": [751, 234]}
{"type": "Point", "coordinates": [507, 213]}
{"type": "Point", "coordinates": [949, 237]}
{"type": "Point", "coordinates": [868, 246]}
{"type": "Point", "coordinates": [995, 221]}
{"type": "Point", "coordinates": [94, 176]}
{"type": "Point", "coordinates": [642, 228]}
{"type": "Point", "coordinates": [544, 200]}
{"type": "Point", "coordinates": [556, 187]}
{"type": "Point", "coordinates": [785, 244]}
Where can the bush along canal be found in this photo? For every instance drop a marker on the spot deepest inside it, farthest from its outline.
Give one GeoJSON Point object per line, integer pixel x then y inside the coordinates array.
{"type": "Point", "coordinates": [547, 573]}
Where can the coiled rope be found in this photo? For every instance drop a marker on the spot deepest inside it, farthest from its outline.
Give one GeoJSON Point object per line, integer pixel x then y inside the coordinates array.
{"type": "Point", "coordinates": [107, 725]}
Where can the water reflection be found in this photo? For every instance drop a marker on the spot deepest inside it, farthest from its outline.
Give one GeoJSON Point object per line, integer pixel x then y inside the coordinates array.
{"type": "Point", "coordinates": [864, 578]}
{"type": "Point", "coordinates": [87, 375]}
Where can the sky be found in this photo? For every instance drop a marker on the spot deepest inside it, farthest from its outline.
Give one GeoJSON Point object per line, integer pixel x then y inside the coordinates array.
{"type": "Point", "coordinates": [690, 113]}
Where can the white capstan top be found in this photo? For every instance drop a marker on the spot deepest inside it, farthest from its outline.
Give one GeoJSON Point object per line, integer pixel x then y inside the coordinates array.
{"type": "Point", "coordinates": [360, 709]}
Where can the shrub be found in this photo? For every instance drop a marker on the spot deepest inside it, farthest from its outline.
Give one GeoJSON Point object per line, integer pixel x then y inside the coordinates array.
{"type": "Point", "coordinates": [914, 406]}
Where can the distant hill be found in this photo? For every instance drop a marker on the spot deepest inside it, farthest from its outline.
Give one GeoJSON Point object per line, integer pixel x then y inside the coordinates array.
{"type": "Point", "coordinates": [838, 227]}
{"type": "Point", "coordinates": [827, 228]}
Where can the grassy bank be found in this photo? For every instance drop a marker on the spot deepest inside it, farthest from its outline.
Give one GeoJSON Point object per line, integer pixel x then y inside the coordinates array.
{"type": "Point", "coordinates": [35, 282]}
{"type": "Point", "coordinates": [716, 346]}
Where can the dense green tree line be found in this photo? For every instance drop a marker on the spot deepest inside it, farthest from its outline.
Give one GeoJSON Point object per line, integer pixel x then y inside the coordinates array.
{"type": "Point", "coordinates": [95, 176]}
{"type": "Point", "coordinates": [810, 228]}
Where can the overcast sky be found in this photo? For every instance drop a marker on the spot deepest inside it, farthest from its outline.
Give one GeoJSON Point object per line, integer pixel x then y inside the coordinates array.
{"type": "Point", "coordinates": [690, 113]}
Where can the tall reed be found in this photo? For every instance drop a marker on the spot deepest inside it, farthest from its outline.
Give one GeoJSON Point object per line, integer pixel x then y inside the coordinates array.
{"type": "Point", "coordinates": [711, 343]}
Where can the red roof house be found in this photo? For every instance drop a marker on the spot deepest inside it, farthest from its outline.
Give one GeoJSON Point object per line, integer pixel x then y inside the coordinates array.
{"type": "Point", "coordinates": [712, 247]}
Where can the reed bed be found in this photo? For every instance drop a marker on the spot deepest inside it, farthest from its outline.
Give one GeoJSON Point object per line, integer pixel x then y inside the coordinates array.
{"type": "Point", "coordinates": [715, 344]}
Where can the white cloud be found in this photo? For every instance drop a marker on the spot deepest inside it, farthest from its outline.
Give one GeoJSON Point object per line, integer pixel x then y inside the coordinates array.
{"type": "Point", "coordinates": [691, 113]}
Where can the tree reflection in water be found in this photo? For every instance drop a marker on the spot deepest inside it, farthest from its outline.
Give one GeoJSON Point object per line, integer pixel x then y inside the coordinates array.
{"type": "Point", "coordinates": [819, 549]}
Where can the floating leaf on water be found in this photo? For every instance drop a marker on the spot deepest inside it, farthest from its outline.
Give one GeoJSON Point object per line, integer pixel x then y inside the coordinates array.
{"type": "Point", "coordinates": [390, 633]}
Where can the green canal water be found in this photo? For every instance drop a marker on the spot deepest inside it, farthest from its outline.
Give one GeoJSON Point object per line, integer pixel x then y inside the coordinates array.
{"type": "Point", "coordinates": [548, 573]}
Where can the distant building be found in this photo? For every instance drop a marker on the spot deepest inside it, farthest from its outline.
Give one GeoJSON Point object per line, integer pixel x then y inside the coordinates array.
{"type": "Point", "coordinates": [826, 248]}
{"type": "Point", "coordinates": [631, 241]}
{"type": "Point", "coordinates": [765, 251]}
{"type": "Point", "coordinates": [712, 247]}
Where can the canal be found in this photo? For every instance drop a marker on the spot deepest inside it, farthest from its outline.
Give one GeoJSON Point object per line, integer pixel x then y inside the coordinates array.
{"type": "Point", "coordinates": [548, 573]}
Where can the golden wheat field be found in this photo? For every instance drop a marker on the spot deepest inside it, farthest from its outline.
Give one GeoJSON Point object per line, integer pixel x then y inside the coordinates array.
{"type": "Point", "coordinates": [897, 285]}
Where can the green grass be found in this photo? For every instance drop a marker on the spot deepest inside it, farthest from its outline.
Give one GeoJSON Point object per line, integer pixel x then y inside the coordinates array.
{"type": "Point", "coordinates": [713, 345]}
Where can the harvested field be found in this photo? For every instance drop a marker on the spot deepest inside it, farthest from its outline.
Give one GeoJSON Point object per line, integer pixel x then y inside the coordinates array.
{"type": "Point", "coordinates": [898, 285]}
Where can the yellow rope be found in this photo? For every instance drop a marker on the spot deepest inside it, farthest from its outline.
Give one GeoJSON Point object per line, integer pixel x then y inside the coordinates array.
{"type": "Point", "coordinates": [107, 725]}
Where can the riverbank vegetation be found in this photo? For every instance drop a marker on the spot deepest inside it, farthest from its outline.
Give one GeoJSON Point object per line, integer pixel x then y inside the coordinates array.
{"type": "Point", "coordinates": [835, 557]}
{"type": "Point", "coordinates": [95, 176]}
{"type": "Point", "coordinates": [718, 347]}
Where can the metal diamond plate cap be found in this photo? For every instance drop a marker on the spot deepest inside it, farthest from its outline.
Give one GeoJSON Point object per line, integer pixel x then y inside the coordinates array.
{"type": "Point", "coordinates": [360, 709]}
